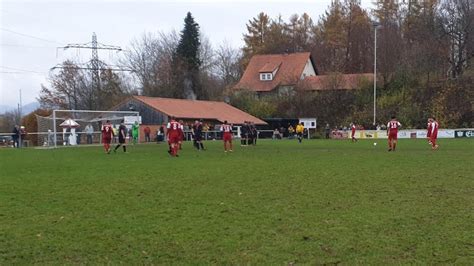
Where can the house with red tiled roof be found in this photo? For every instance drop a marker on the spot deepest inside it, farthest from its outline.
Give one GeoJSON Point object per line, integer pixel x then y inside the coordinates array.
{"type": "Point", "coordinates": [280, 74]}
{"type": "Point", "coordinates": [156, 110]}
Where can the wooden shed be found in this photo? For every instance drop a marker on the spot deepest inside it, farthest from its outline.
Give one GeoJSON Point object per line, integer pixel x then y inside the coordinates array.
{"type": "Point", "coordinates": [155, 111]}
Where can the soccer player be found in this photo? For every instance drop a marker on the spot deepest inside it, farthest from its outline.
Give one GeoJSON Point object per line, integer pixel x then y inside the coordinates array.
{"type": "Point", "coordinates": [433, 131]}
{"type": "Point", "coordinates": [181, 137]}
{"type": "Point", "coordinates": [173, 134]}
{"type": "Point", "coordinates": [353, 132]}
{"type": "Point", "coordinates": [392, 132]}
{"type": "Point", "coordinates": [299, 131]}
{"type": "Point", "coordinates": [197, 135]}
{"type": "Point", "coordinates": [428, 132]}
{"type": "Point", "coordinates": [135, 129]}
{"type": "Point", "coordinates": [226, 130]}
{"type": "Point", "coordinates": [107, 135]}
{"type": "Point", "coordinates": [122, 134]}
{"type": "Point", "coordinates": [244, 133]}
{"type": "Point", "coordinates": [254, 133]}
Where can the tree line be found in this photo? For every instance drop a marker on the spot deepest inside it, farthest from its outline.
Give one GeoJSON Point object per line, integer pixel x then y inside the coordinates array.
{"type": "Point", "coordinates": [425, 50]}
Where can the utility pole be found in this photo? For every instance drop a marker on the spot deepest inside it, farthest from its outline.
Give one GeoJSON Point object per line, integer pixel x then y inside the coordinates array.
{"type": "Point", "coordinates": [95, 66]}
{"type": "Point", "coordinates": [376, 26]}
{"type": "Point", "coordinates": [375, 74]}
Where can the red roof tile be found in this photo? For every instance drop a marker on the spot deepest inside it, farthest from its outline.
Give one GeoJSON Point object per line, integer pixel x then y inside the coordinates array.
{"type": "Point", "coordinates": [336, 81]}
{"type": "Point", "coordinates": [270, 67]}
{"type": "Point", "coordinates": [194, 109]}
{"type": "Point", "coordinates": [289, 73]}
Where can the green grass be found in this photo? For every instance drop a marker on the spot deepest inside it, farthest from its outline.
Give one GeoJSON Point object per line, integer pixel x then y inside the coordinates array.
{"type": "Point", "coordinates": [320, 202]}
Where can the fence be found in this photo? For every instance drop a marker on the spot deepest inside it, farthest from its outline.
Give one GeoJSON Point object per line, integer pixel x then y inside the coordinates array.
{"type": "Point", "coordinates": [404, 134]}
{"type": "Point", "coordinates": [46, 139]}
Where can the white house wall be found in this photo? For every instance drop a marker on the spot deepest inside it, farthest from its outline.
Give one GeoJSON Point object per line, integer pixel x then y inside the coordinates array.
{"type": "Point", "coordinates": [308, 70]}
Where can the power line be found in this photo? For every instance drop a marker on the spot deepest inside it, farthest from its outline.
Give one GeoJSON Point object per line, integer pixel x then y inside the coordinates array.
{"type": "Point", "coordinates": [18, 72]}
{"type": "Point", "coordinates": [29, 36]}
{"type": "Point", "coordinates": [89, 68]}
{"type": "Point", "coordinates": [95, 67]}
{"type": "Point", "coordinates": [23, 70]}
{"type": "Point", "coordinates": [25, 46]}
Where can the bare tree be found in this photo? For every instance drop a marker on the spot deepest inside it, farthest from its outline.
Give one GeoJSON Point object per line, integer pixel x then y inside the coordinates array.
{"type": "Point", "coordinates": [9, 120]}
{"type": "Point", "coordinates": [66, 88]}
{"type": "Point", "coordinates": [151, 60]}
{"type": "Point", "coordinates": [72, 88]}
{"type": "Point", "coordinates": [458, 21]}
{"type": "Point", "coordinates": [206, 55]}
{"type": "Point", "coordinates": [227, 66]}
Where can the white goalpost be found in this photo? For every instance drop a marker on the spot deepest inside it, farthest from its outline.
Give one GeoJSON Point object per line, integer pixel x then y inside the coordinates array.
{"type": "Point", "coordinates": [68, 127]}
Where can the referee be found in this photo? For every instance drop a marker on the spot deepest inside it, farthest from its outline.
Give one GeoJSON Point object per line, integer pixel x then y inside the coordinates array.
{"type": "Point", "coordinates": [122, 133]}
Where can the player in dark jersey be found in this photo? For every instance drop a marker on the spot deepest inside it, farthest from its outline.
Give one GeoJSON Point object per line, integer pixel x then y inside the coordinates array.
{"type": "Point", "coordinates": [122, 133]}
{"type": "Point", "coordinates": [197, 135]}
{"type": "Point", "coordinates": [244, 133]}
{"type": "Point", "coordinates": [253, 133]}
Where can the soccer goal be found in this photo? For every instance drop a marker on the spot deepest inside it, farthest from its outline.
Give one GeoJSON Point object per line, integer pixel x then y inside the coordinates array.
{"type": "Point", "coordinates": [78, 127]}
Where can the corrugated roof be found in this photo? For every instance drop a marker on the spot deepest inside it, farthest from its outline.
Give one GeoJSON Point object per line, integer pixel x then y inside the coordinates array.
{"type": "Point", "coordinates": [336, 81]}
{"type": "Point", "coordinates": [289, 73]}
{"type": "Point", "coordinates": [195, 109]}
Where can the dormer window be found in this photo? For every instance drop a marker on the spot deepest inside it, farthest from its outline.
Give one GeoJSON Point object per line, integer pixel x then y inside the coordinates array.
{"type": "Point", "coordinates": [266, 76]}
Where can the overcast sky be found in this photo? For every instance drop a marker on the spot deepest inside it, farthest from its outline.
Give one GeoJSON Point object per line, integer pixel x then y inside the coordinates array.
{"type": "Point", "coordinates": [31, 31]}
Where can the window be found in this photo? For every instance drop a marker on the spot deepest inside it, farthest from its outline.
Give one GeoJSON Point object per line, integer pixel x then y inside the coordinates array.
{"type": "Point", "coordinates": [266, 76]}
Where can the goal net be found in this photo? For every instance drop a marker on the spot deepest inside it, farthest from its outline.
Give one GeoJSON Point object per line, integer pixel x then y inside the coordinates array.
{"type": "Point", "coordinates": [79, 127]}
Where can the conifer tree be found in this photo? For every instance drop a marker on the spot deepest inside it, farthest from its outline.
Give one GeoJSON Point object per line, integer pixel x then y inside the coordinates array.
{"type": "Point", "coordinates": [187, 62]}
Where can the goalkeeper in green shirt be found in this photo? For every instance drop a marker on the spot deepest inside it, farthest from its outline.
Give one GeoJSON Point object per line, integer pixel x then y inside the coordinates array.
{"type": "Point", "coordinates": [135, 129]}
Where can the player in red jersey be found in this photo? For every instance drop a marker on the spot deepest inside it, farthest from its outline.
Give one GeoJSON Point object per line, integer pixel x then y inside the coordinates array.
{"type": "Point", "coordinates": [181, 137]}
{"type": "Point", "coordinates": [392, 132]}
{"type": "Point", "coordinates": [428, 132]}
{"type": "Point", "coordinates": [107, 135]}
{"type": "Point", "coordinates": [173, 133]}
{"type": "Point", "coordinates": [226, 130]}
{"type": "Point", "coordinates": [433, 133]}
{"type": "Point", "coordinates": [353, 132]}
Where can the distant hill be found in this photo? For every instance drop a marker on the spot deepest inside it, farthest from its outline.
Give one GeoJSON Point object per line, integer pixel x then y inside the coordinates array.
{"type": "Point", "coordinates": [26, 109]}
{"type": "Point", "coordinates": [4, 108]}
{"type": "Point", "coordinates": [30, 107]}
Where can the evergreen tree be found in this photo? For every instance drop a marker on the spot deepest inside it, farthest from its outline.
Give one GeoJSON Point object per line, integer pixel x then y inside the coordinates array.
{"type": "Point", "coordinates": [188, 46]}
{"type": "Point", "coordinates": [187, 62]}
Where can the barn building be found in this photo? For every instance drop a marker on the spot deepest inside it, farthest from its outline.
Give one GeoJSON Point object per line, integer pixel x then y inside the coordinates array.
{"type": "Point", "coordinates": [155, 111]}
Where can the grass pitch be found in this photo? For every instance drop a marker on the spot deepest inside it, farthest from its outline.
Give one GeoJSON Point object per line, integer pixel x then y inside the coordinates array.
{"type": "Point", "coordinates": [319, 202]}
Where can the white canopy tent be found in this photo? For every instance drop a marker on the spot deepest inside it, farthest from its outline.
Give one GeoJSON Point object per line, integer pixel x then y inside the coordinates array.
{"type": "Point", "coordinates": [71, 125]}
